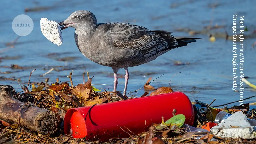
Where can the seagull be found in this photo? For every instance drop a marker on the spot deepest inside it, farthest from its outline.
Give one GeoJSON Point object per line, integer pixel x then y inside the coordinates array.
{"type": "Point", "coordinates": [119, 45]}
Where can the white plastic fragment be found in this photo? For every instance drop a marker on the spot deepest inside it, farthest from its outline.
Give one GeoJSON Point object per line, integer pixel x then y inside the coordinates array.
{"type": "Point", "coordinates": [235, 126]}
{"type": "Point", "coordinates": [51, 30]}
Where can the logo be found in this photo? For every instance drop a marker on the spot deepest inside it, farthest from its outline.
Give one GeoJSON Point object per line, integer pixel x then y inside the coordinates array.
{"type": "Point", "coordinates": [22, 25]}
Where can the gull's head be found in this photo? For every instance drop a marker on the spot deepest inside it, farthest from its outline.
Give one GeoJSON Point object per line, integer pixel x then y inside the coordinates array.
{"type": "Point", "coordinates": [78, 19]}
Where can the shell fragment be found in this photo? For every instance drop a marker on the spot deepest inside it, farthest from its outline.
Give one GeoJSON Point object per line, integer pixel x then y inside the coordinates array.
{"type": "Point", "coordinates": [51, 30]}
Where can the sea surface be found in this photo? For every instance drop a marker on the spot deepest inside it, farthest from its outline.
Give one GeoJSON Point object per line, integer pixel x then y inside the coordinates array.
{"type": "Point", "coordinates": [202, 70]}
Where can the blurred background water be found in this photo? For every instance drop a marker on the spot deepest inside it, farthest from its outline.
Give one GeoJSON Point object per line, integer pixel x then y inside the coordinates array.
{"type": "Point", "coordinates": [202, 70]}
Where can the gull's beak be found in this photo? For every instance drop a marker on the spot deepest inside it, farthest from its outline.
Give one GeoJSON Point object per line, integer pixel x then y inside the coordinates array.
{"type": "Point", "coordinates": [63, 25]}
{"type": "Point", "coordinates": [66, 23]}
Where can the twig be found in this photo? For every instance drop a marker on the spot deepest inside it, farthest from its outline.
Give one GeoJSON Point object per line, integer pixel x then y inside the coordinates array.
{"type": "Point", "coordinates": [125, 131]}
{"type": "Point", "coordinates": [25, 89]}
{"type": "Point", "coordinates": [130, 131]}
{"type": "Point", "coordinates": [70, 77]}
{"type": "Point", "coordinates": [248, 83]}
{"type": "Point", "coordinates": [88, 75]}
{"type": "Point", "coordinates": [83, 77]}
{"type": "Point", "coordinates": [211, 103]}
{"type": "Point", "coordinates": [46, 82]}
{"type": "Point", "coordinates": [48, 71]}
{"type": "Point", "coordinates": [184, 139]}
{"type": "Point", "coordinates": [30, 76]}
{"type": "Point", "coordinates": [235, 101]}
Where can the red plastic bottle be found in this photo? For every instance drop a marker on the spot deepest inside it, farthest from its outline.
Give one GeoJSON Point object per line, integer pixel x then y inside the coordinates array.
{"type": "Point", "coordinates": [133, 116]}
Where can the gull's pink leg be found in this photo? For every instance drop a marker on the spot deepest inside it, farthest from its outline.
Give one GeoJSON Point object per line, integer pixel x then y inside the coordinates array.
{"type": "Point", "coordinates": [126, 80]}
{"type": "Point", "coordinates": [115, 79]}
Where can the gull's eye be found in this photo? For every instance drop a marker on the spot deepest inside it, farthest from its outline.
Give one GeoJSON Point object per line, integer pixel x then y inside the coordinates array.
{"type": "Point", "coordinates": [78, 17]}
{"type": "Point", "coordinates": [75, 17]}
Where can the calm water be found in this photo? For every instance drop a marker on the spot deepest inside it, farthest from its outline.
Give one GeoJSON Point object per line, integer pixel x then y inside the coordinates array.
{"type": "Point", "coordinates": [206, 72]}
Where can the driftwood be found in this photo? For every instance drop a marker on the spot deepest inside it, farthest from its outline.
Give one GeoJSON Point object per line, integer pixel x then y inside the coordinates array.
{"type": "Point", "coordinates": [31, 117]}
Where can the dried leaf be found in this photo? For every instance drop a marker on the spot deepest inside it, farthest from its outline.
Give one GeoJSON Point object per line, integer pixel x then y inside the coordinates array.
{"type": "Point", "coordinates": [58, 87]}
{"type": "Point", "coordinates": [4, 123]}
{"type": "Point", "coordinates": [148, 87]}
{"type": "Point", "coordinates": [177, 120]}
{"type": "Point", "coordinates": [161, 126]}
{"type": "Point", "coordinates": [14, 66]}
{"type": "Point", "coordinates": [95, 89]}
{"type": "Point", "coordinates": [37, 89]}
{"type": "Point", "coordinates": [161, 90]}
{"type": "Point", "coordinates": [96, 100]}
{"type": "Point", "coordinates": [66, 98]}
{"type": "Point", "coordinates": [148, 81]}
{"type": "Point", "coordinates": [81, 91]}
{"type": "Point", "coordinates": [51, 93]}
{"type": "Point", "coordinates": [214, 142]}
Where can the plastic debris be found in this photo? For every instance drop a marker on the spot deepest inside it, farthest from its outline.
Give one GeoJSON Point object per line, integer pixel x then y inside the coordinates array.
{"type": "Point", "coordinates": [209, 125]}
{"type": "Point", "coordinates": [110, 120]}
{"type": "Point", "coordinates": [51, 30]}
{"type": "Point", "coordinates": [221, 116]}
{"type": "Point", "coordinates": [212, 38]}
{"type": "Point", "coordinates": [197, 133]}
{"type": "Point", "coordinates": [189, 128]}
{"type": "Point", "coordinates": [235, 126]}
{"type": "Point", "coordinates": [248, 83]}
